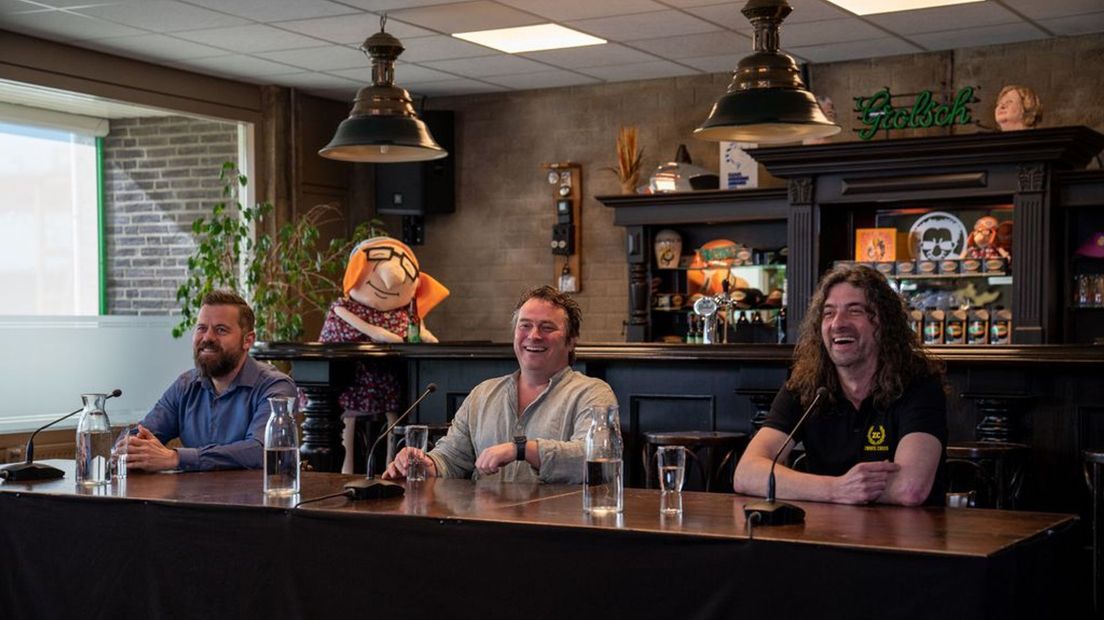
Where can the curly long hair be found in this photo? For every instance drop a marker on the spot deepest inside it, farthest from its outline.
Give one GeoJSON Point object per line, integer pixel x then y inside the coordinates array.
{"type": "Point", "coordinates": [901, 358]}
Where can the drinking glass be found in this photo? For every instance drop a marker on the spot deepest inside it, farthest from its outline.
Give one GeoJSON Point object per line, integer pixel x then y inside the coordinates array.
{"type": "Point", "coordinates": [119, 451]}
{"type": "Point", "coordinates": [672, 473]}
{"type": "Point", "coordinates": [417, 438]}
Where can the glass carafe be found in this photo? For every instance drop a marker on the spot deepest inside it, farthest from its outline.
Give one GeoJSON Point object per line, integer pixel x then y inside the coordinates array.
{"type": "Point", "coordinates": [93, 442]}
{"type": "Point", "coordinates": [604, 483]}
{"type": "Point", "coordinates": [281, 449]}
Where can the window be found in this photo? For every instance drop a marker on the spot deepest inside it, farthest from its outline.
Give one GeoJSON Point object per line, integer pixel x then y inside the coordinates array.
{"type": "Point", "coordinates": [49, 218]}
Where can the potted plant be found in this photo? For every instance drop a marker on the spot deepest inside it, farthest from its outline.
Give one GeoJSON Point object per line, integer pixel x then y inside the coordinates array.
{"type": "Point", "coordinates": [282, 276]}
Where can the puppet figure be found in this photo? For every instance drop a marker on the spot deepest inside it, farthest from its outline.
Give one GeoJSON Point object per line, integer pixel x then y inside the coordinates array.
{"type": "Point", "coordinates": [386, 294]}
{"type": "Point", "coordinates": [982, 242]}
{"type": "Point", "coordinates": [1018, 107]}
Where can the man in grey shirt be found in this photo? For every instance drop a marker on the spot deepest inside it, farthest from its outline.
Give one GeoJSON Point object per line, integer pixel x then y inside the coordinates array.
{"type": "Point", "coordinates": [529, 425]}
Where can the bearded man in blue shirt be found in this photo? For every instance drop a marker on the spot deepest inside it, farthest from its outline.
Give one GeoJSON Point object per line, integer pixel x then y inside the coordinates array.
{"type": "Point", "coordinates": [218, 409]}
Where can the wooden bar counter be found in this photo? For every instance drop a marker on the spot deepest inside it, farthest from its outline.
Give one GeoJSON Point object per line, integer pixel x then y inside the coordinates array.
{"type": "Point", "coordinates": [212, 545]}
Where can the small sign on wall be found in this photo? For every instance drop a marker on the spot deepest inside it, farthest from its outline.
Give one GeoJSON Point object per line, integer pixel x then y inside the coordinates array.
{"type": "Point", "coordinates": [738, 169]}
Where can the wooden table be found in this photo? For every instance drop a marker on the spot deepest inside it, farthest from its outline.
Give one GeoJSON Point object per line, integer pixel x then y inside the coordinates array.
{"type": "Point", "coordinates": [211, 544]}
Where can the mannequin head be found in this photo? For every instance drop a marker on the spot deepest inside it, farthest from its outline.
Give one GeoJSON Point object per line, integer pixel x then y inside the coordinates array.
{"type": "Point", "coordinates": [383, 273]}
{"type": "Point", "coordinates": [1017, 108]}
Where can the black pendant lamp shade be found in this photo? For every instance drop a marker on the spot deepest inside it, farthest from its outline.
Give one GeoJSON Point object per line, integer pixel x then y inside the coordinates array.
{"type": "Point", "coordinates": [766, 102]}
{"type": "Point", "coordinates": [383, 127]}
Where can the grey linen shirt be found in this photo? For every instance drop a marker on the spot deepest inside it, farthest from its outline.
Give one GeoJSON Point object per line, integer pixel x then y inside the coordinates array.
{"type": "Point", "coordinates": [555, 419]}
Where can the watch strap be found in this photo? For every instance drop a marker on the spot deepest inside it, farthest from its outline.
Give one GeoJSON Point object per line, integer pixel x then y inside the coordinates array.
{"type": "Point", "coordinates": [519, 443]}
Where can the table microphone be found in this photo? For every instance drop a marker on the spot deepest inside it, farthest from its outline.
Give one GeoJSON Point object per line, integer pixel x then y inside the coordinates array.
{"type": "Point", "coordinates": [376, 488]}
{"type": "Point", "coordinates": [771, 512]}
{"type": "Point", "coordinates": [28, 471]}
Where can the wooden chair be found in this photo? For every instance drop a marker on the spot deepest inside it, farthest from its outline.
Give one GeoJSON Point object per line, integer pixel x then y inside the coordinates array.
{"type": "Point", "coordinates": [702, 449]}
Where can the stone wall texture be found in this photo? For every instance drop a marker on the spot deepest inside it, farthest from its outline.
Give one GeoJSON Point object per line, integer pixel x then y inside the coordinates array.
{"type": "Point", "coordinates": [495, 245]}
{"type": "Point", "coordinates": [160, 174]}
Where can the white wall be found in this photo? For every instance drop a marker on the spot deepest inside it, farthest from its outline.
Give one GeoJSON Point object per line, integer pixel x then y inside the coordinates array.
{"type": "Point", "coordinates": [46, 363]}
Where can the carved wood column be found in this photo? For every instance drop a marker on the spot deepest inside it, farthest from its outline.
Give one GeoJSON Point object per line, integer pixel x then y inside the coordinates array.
{"type": "Point", "coordinates": [636, 327]}
{"type": "Point", "coordinates": [1031, 257]}
{"type": "Point", "coordinates": [801, 267]}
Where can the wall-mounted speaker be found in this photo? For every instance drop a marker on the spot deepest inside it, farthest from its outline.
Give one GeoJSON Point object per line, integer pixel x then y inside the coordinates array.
{"type": "Point", "coordinates": [423, 187]}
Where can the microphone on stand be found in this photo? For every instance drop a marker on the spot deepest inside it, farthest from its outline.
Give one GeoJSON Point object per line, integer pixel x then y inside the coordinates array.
{"type": "Point", "coordinates": [769, 511]}
{"type": "Point", "coordinates": [376, 488]}
{"type": "Point", "coordinates": [29, 471]}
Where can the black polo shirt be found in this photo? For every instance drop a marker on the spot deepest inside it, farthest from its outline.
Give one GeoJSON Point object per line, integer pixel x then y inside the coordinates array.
{"type": "Point", "coordinates": [838, 436]}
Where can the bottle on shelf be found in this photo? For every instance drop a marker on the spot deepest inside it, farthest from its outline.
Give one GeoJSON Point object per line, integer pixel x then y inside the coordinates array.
{"type": "Point", "coordinates": [1000, 327]}
{"type": "Point", "coordinates": [414, 327]}
{"type": "Point", "coordinates": [977, 326]}
{"type": "Point", "coordinates": [743, 328]}
{"type": "Point", "coordinates": [933, 326]}
{"type": "Point", "coordinates": [780, 326]}
{"type": "Point", "coordinates": [916, 321]}
{"type": "Point", "coordinates": [690, 329]}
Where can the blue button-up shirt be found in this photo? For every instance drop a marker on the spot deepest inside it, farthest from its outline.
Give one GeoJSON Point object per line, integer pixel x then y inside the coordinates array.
{"type": "Point", "coordinates": [219, 431]}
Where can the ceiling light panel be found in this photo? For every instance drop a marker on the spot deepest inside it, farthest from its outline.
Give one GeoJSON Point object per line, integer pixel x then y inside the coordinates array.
{"type": "Point", "coordinates": [530, 38]}
{"type": "Point", "coordinates": [873, 7]}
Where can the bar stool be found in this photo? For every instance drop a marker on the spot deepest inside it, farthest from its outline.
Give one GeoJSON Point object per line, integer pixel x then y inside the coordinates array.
{"type": "Point", "coordinates": [397, 439]}
{"type": "Point", "coordinates": [702, 448]}
{"type": "Point", "coordinates": [1094, 477]}
{"type": "Point", "coordinates": [996, 468]}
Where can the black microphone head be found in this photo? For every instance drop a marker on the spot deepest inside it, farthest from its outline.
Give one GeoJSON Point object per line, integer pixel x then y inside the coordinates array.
{"type": "Point", "coordinates": [432, 387]}
{"type": "Point", "coordinates": [116, 393]}
{"type": "Point", "coordinates": [822, 392]}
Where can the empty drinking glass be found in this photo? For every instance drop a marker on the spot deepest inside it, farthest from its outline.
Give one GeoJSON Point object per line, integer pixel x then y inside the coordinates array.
{"type": "Point", "coordinates": [417, 438]}
{"type": "Point", "coordinates": [119, 451]}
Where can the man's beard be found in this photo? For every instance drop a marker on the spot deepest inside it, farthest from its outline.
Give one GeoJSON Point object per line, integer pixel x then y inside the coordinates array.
{"type": "Point", "coordinates": [222, 364]}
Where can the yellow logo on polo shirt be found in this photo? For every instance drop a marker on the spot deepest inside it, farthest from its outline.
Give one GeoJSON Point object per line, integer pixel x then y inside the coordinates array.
{"type": "Point", "coordinates": [875, 438]}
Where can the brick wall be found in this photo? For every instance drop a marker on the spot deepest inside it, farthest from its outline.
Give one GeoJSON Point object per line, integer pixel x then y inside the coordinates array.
{"type": "Point", "coordinates": [160, 173]}
{"type": "Point", "coordinates": [496, 244]}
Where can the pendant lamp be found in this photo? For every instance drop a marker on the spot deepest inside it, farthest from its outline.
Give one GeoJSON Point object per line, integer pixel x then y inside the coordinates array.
{"type": "Point", "coordinates": [383, 127]}
{"type": "Point", "coordinates": [767, 101]}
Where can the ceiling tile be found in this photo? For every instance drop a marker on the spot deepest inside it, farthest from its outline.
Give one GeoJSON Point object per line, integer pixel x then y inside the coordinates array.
{"type": "Point", "coordinates": [351, 29]}
{"type": "Point", "coordinates": [723, 63]}
{"type": "Point", "coordinates": [241, 64]}
{"type": "Point", "coordinates": [1051, 9]}
{"type": "Point", "coordinates": [314, 79]}
{"type": "Point", "coordinates": [388, 5]}
{"type": "Point", "coordinates": [276, 10]}
{"type": "Point", "coordinates": [404, 74]}
{"type": "Point", "coordinates": [542, 79]}
{"type": "Point", "coordinates": [643, 26]}
{"type": "Point", "coordinates": [869, 48]}
{"type": "Point", "coordinates": [441, 47]}
{"type": "Point", "coordinates": [62, 26]}
{"type": "Point", "coordinates": [562, 10]}
{"type": "Point", "coordinates": [255, 38]}
{"type": "Point", "coordinates": [8, 7]}
{"type": "Point", "coordinates": [1078, 24]}
{"type": "Point", "coordinates": [727, 15]}
{"type": "Point", "coordinates": [640, 71]}
{"type": "Point", "coordinates": [682, 4]}
{"type": "Point", "coordinates": [706, 44]}
{"type": "Point", "coordinates": [933, 20]}
{"type": "Point", "coordinates": [829, 31]}
{"type": "Point", "coordinates": [814, 11]}
{"type": "Point", "coordinates": [155, 46]}
{"type": "Point", "coordinates": [454, 87]}
{"type": "Point", "coordinates": [465, 17]}
{"type": "Point", "coordinates": [161, 16]}
{"type": "Point", "coordinates": [320, 58]}
{"type": "Point", "coordinates": [591, 56]}
{"type": "Point", "coordinates": [488, 65]}
{"type": "Point", "coordinates": [968, 37]}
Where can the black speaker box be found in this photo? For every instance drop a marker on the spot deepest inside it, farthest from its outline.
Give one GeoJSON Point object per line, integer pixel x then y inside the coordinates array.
{"type": "Point", "coordinates": [423, 187]}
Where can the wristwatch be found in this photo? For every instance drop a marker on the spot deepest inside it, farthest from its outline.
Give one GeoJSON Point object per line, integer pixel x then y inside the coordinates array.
{"type": "Point", "coordinates": [519, 443]}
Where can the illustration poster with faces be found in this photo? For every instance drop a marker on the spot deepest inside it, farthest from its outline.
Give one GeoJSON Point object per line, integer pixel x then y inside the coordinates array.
{"type": "Point", "coordinates": [936, 236]}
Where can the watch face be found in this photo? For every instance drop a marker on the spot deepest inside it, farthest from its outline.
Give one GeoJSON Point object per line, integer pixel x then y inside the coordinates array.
{"type": "Point", "coordinates": [553, 177]}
